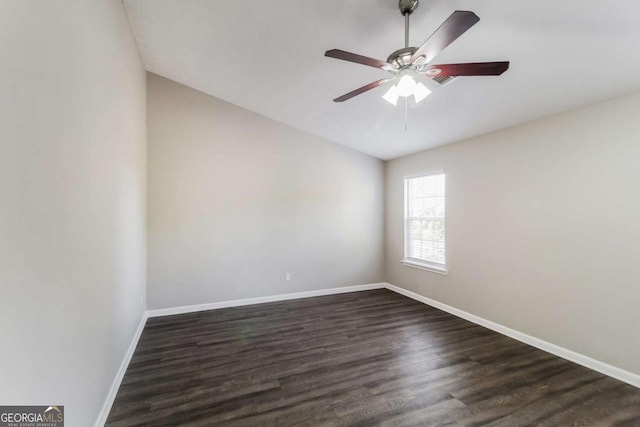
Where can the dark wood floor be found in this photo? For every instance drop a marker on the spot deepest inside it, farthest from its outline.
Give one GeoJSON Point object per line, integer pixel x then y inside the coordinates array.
{"type": "Point", "coordinates": [366, 358]}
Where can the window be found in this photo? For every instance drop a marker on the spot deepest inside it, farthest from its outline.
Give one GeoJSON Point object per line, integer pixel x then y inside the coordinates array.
{"type": "Point", "coordinates": [424, 236]}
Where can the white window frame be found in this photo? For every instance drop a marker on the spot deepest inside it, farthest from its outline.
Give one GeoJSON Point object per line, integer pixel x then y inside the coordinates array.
{"type": "Point", "coordinates": [414, 262]}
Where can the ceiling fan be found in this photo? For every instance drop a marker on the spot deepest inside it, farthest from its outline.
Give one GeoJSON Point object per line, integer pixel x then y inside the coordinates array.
{"type": "Point", "coordinates": [407, 63]}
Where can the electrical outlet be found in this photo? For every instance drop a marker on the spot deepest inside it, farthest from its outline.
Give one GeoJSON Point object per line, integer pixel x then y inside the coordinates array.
{"type": "Point", "coordinates": [287, 276]}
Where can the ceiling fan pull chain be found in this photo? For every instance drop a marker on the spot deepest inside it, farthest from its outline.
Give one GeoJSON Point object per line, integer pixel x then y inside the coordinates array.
{"type": "Point", "coordinates": [406, 114]}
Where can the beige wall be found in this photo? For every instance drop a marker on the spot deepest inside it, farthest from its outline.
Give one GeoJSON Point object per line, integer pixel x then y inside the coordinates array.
{"type": "Point", "coordinates": [72, 201]}
{"type": "Point", "coordinates": [237, 200]}
{"type": "Point", "coordinates": [543, 229]}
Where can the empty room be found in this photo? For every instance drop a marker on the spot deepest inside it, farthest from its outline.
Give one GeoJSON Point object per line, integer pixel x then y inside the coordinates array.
{"type": "Point", "coordinates": [319, 213]}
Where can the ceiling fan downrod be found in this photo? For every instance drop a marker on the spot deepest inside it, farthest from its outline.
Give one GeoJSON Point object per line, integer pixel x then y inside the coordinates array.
{"type": "Point", "coordinates": [406, 8]}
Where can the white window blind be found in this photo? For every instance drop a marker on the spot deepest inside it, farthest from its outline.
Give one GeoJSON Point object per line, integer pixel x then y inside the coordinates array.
{"type": "Point", "coordinates": [424, 220]}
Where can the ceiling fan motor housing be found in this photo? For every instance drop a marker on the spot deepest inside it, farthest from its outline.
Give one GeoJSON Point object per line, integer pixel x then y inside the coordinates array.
{"type": "Point", "coordinates": [401, 58]}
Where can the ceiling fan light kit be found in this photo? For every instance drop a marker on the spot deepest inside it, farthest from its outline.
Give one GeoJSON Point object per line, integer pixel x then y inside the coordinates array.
{"type": "Point", "coordinates": [411, 63]}
{"type": "Point", "coordinates": [406, 87]}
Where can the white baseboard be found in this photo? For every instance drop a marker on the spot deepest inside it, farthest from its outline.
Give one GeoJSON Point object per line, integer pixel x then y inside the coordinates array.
{"type": "Point", "coordinates": [113, 391]}
{"type": "Point", "coordinates": [261, 300]}
{"type": "Point", "coordinates": [580, 359]}
{"type": "Point", "coordinates": [596, 365]}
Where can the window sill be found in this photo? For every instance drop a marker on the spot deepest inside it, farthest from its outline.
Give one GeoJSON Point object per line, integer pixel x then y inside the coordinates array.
{"type": "Point", "coordinates": [423, 266]}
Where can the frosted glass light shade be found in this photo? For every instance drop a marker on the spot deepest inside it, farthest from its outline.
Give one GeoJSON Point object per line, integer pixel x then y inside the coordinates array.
{"type": "Point", "coordinates": [406, 85]}
{"type": "Point", "coordinates": [391, 96]}
{"type": "Point", "coordinates": [420, 92]}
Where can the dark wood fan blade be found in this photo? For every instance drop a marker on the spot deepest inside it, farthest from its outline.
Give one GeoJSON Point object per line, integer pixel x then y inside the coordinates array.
{"type": "Point", "coordinates": [455, 26]}
{"type": "Point", "coordinates": [469, 69]}
{"type": "Point", "coordinates": [361, 90]}
{"type": "Point", "coordinates": [358, 59]}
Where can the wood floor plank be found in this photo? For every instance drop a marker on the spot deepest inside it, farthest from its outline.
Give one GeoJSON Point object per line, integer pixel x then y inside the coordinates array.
{"type": "Point", "coordinates": [363, 358]}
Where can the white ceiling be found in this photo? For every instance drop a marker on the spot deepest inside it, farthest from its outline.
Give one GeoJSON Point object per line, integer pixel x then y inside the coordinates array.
{"type": "Point", "coordinates": [267, 56]}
